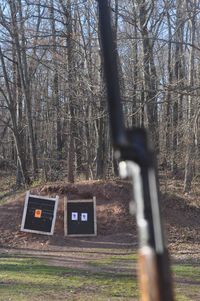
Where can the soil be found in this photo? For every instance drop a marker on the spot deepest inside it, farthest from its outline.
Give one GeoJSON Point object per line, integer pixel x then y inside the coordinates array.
{"type": "Point", "coordinates": [112, 200]}
{"type": "Point", "coordinates": [116, 228]}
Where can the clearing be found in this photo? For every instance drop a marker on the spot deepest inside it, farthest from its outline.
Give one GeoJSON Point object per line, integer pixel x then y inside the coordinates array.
{"type": "Point", "coordinates": [34, 267]}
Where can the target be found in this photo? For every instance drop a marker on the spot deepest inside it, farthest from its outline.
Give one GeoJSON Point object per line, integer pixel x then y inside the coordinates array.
{"type": "Point", "coordinates": [39, 214]}
{"type": "Point", "coordinates": [80, 217]}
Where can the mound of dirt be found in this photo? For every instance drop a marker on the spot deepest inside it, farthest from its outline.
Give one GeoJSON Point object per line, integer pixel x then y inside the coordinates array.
{"type": "Point", "coordinates": [113, 218]}
{"type": "Point", "coordinates": [112, 199]}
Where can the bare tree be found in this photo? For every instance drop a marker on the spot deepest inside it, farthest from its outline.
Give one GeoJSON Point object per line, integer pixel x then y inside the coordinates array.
{"type": "Point", "coordinates": [16, 128]}
{"type": "Point", "coordinates": [190, 154]}
{"type": "Point", "coordinates": [18, 31]}
{"type": "Point", "coordinates": [149, 71]}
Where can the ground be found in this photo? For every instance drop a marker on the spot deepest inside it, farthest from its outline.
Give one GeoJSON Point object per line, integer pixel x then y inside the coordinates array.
{"type": "Point", "coordinates": [116, 228]}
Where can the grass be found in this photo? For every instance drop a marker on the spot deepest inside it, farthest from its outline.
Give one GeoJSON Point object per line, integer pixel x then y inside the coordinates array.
{"type": "Point", "coordinates": [30, 279]}
{"type": "Point", "coordinates": [25, 278]}
{"type": "Point", "coordinates": [188, 282]}
{"type": "Point", "coordinates": [125, 259]}
{"type": "Point", "coordinates": [188, 272]}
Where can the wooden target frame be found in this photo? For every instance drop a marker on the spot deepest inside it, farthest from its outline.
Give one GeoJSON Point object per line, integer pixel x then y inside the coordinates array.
{"type": "Point", "coordinates": [39, 215]}
{"type": "Point", "coordinates": [80, 217]}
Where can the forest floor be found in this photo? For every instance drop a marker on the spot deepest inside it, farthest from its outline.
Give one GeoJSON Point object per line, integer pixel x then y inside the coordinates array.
{"type": "Point", "coordinates": [116, 228]}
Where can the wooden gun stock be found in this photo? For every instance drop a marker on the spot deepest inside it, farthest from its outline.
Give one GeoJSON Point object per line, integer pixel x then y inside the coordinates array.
{"type": "Point", "coordinates": [154, 275]}
{"type": "Point", "coordinates": [148, 275]}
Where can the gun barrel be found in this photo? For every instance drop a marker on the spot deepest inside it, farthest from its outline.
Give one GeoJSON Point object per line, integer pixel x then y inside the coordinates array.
{"type": "Point", "coordinates": [154, 271]}
{"type": "Point", "coordinates": [111, 75]}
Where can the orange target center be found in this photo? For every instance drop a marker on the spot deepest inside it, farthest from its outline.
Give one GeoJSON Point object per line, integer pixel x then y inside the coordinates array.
{"type": "Point", "coordinates": [38, 213]}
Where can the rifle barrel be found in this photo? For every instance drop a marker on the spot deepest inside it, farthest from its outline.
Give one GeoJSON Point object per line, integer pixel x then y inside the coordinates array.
{"type": "Point", "coordinates": [154, 269]}
{"type": "Point", "coordinates": [111, 75]}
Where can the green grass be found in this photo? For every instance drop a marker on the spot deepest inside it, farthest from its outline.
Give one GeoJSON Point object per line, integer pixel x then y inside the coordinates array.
{"type": "Point", "coordinates": [114, 278]}
{"type": "Point", "coordinates": [125, 261]}
{"type": "Point", "coordinates": [187, 286]}
{"type": "Point", "coordinates": [29, 279]}
{"type": "Point", "coordinates": [188, 272]}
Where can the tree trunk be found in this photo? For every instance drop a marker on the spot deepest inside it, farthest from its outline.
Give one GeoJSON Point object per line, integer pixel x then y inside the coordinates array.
{"type": "Point", "coordinates": [101, 150]}
{"type": "Point", "coordinates": [178, 78]}
{"type": "Point", "coordinates": [135, 120]}
{"type": "Point", "coordinates": [190, 150]}
{"type": "Point", "coordinates": [71, 154]}
{"type": "Point", "coordinates": [56, 101]}
{"type": "Point", "coordinates": [17, 134]}
{"type": "Point", "coordinates": [149, 75]}
{"type": "Point", "coordinates": [23, 71]}
{"type": "Point", "coordinates": [168, 98]}
{"type": "Point", "coordinates": [71, 81]}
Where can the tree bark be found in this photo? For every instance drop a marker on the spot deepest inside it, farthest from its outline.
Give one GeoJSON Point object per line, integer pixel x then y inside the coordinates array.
{"type": "Point", "coordinates": [71, 80]}
{"type": "Point", "coordinates": [16, 130]}
{"type": "Point", "coordinates": [23, 71]}
{"type": "Point", "coordinates": [190, 149]}
{"type": "Point", "coordinates": [149, 75]}
{"type": "Point", "coordinates": [56, 101]}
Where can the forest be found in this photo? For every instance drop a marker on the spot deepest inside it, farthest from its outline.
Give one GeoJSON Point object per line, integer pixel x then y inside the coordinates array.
{"type": "Point", "coordinates": [53, 114]}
